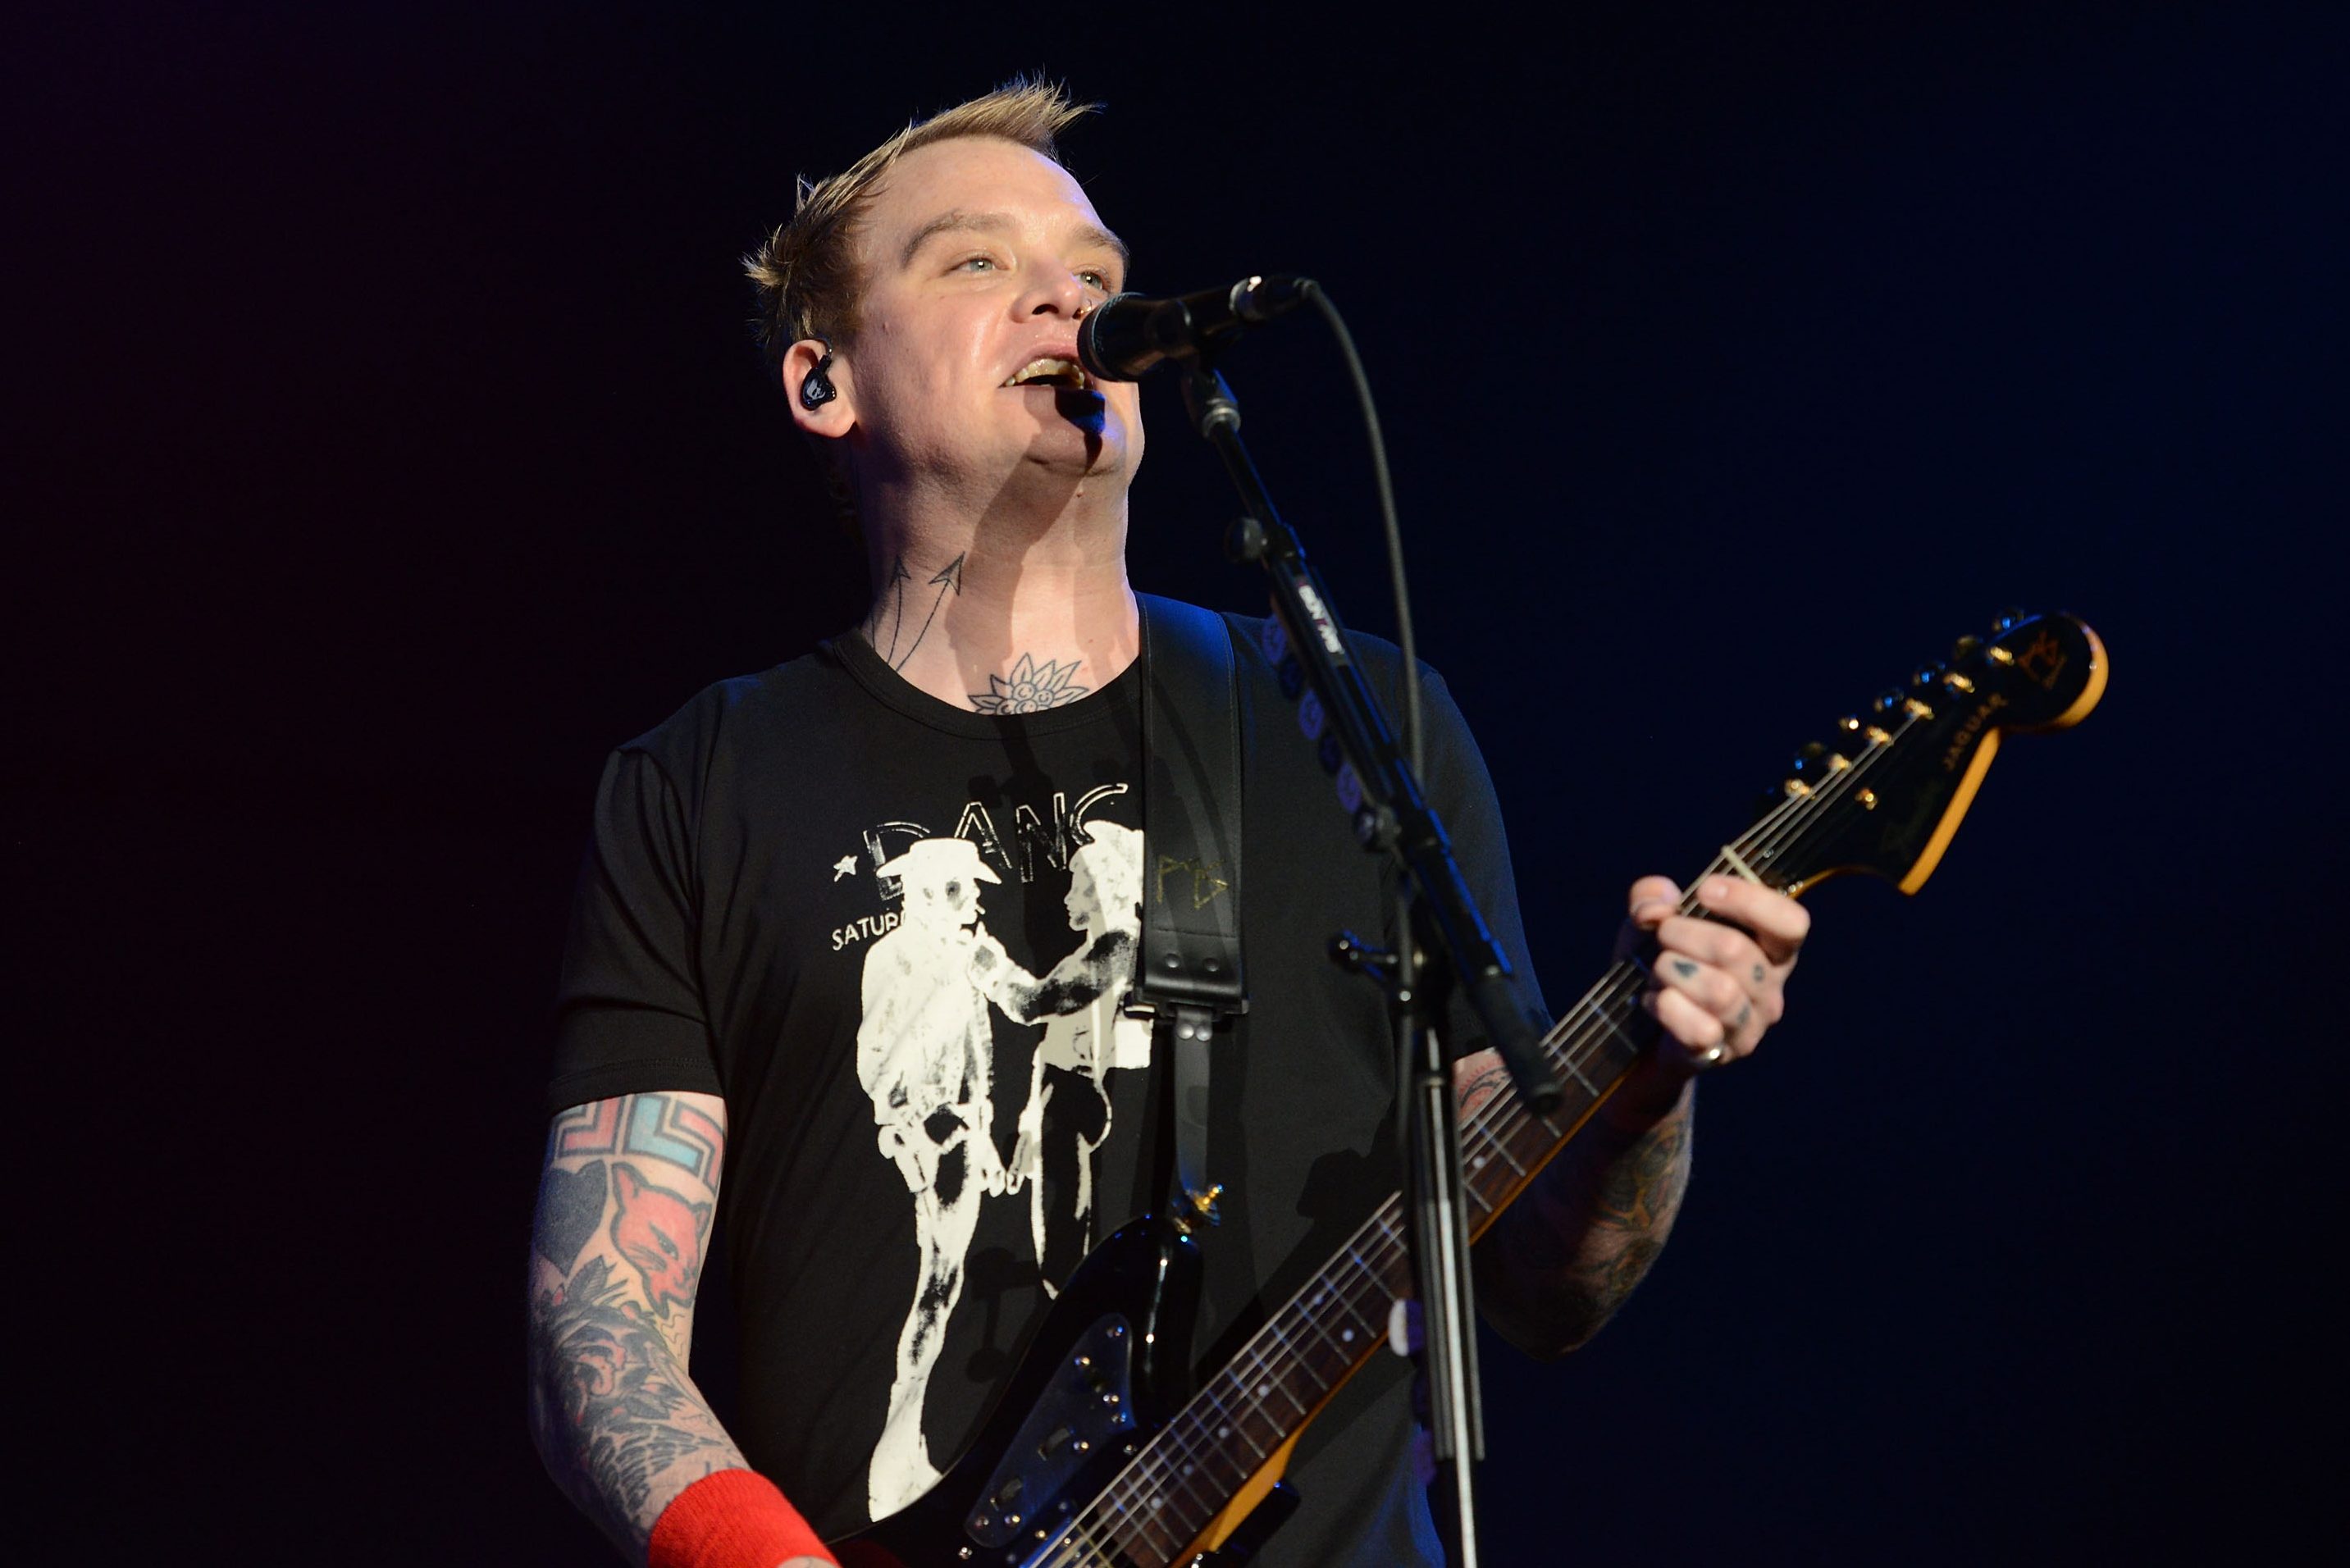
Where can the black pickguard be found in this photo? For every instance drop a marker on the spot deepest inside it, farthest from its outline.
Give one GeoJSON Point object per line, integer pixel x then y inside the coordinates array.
{"type": "Point", "coordinates": [1107, 1366]}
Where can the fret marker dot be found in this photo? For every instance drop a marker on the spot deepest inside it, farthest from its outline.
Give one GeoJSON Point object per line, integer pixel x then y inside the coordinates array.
{"type": "Point", "coordinates": [1348, 1335]}
{"type": "Point", "coordinates": [1478, 1163]}
{"type": "Point", "coordinates": [1262, 1389]}
{"type": "Point", "coordinates": [1190, 1469]}
{"type": "Point", "coordinates": [1224, 1431]}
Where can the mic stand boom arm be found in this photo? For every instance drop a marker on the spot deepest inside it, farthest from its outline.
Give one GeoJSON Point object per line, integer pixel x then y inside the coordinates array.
{"type": "Point", "coordinates": [1394, 815]}
{"type": "Point", "coordinates": [1442, 941]}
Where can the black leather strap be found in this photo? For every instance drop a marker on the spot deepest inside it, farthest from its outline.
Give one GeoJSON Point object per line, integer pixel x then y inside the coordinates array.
{"type": "Point", "coordinates": [1190, 976]}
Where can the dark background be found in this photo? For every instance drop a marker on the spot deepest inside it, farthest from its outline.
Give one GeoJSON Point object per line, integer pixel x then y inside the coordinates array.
{"type": "Point", "coordinates": [392, 448]}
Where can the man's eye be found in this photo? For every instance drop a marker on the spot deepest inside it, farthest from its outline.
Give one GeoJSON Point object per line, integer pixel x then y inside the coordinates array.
{"type": "Point", "coordinates": [1099, 280]}
{"type": "Point", "coordinates": [984, 264]}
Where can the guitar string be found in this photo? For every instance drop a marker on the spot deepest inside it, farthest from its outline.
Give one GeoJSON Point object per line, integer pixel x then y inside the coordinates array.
{"type": "Point", "coordinates": [1766, 840]}
{"type": "Point", "coordinates": [1161, 1468]}
{"type": "Point", "coordinates": [1371, 1251]}
{"type": "Point", "coordinates": [1167, 1466]}
{"type": "Point", "coordinates": [1158, 1466]}
{"type": "Point", "coordinates": [1374, 1253]}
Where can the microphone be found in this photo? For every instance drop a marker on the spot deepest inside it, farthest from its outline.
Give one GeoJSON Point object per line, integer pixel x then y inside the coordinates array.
{"type": "Point", "coordinates": [1128, 334]}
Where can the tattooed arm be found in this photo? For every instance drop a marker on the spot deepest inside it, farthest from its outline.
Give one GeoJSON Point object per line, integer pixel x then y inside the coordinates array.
{"type": "Point", "coordinates": [624, 1208]}
{"type": "Point", "coordinates": [1562, 1259]}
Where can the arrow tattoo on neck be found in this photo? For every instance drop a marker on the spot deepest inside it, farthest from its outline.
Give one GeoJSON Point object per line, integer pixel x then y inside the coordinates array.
{"type": "Point", "coordinates": [896, 587]}
{"type": "Point", "coordinates": [950, 576]}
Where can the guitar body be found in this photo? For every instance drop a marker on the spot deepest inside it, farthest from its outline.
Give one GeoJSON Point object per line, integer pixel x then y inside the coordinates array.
{"type": "Point", "coordinates": [1108, 1365]}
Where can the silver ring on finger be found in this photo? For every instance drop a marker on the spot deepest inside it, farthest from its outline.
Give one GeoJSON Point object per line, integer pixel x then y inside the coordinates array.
{"type": "Point", "coordinates": [1713, 1056]}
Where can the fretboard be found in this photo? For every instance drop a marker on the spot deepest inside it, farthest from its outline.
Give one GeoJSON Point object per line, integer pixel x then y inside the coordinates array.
{"type": "Point", "coordinates": [1178, 1483]}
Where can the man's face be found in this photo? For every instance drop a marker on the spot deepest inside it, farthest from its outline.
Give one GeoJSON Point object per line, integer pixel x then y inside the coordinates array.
{"type": "Point", "coordinates": [976, 257]}
{"type": "Point", "coordinates": [944, 903]}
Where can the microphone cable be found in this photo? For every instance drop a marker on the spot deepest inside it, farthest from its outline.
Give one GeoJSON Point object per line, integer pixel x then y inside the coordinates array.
{"type": "Point", "coordinates": [1405, 636]}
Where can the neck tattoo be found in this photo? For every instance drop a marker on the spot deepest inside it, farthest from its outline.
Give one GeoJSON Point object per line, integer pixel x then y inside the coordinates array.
{"type": "Point", "coordinates": [1030, 688]}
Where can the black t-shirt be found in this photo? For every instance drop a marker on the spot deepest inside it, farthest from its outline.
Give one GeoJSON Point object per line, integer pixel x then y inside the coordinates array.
{"type": "Point", "coordinates": [893, 933]}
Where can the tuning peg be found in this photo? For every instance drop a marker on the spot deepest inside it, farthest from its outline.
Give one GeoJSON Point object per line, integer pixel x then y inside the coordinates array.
{"type": "Point", "coordinates": [1927, 674]}
{"type": "Point", "coordinates": [1903, 703]}
{"type": "Point", "coordinates": [2008, 620]}
{"type": "Point", "coordinates": [1966, 648]}
{"type": "Point", "coordinates": [1815, 761]}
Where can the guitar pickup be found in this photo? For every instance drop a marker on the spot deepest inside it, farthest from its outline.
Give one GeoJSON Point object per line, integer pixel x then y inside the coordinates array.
{"type": "Point", "coordinates": [1081, 1409]}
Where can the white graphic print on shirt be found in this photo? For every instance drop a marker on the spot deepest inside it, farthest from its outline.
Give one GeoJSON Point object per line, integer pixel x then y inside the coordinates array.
{"type": "Point", "coordinates": [925, 1056]}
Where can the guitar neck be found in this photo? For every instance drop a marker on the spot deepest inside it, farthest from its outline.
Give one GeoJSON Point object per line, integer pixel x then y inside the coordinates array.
{"type": "Point", "coordinates": [1175, 1488]}
{"type": "Point", "coordinates": [1888, 807]}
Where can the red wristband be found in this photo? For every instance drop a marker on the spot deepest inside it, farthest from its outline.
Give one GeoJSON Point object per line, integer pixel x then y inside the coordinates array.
{"type": "Point", "coordinates": [732, 1519]}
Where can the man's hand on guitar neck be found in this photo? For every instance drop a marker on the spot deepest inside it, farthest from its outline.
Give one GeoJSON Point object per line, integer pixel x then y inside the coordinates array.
{"type": "Point", "coordinates": [1717, 984]}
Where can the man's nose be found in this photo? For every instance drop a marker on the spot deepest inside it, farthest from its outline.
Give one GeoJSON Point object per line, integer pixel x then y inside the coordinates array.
{"type": "Point", "coordinates": [1061, 293]}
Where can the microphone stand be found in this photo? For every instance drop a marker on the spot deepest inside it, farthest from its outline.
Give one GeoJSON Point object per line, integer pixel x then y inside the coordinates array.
{"type": "Point", "coordinates": [1443, 943]}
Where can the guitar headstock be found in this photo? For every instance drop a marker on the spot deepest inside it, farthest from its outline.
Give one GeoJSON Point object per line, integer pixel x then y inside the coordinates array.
{"type": "Point", "coordinates": [1885, 795]}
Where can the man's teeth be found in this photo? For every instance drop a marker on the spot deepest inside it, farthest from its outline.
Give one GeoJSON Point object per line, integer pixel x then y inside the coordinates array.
{"type": "Point", "coordinates": [1051, 370]}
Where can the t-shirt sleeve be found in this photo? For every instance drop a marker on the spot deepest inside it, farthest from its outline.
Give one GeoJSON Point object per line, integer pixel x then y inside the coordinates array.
{"type": "Point", "coordinates": [628, 1010]}
{"type": "Point", "coordinates": [1463, 793]}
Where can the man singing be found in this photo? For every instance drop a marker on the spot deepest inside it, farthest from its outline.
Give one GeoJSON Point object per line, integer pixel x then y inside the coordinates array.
{"type": "Point", "coordinates": [889, 886]}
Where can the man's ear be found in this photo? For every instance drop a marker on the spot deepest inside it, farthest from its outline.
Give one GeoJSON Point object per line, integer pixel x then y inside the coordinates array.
{"type": "Point", "coordinates": [816, 380]}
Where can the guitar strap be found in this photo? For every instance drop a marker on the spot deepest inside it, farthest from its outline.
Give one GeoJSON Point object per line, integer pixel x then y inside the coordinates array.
{"type": "Point", "coordinates": [1188, 978]}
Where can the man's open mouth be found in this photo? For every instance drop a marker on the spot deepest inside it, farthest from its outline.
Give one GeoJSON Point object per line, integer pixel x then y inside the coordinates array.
{"type": "Point", "coordinates": [1051, 370]}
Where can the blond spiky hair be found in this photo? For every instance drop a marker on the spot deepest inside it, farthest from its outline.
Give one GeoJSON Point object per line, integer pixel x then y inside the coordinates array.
{"type": "Point", "coordinates": [805, 273]}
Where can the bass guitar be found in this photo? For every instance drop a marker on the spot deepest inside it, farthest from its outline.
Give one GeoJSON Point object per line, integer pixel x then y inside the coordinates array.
{"type": "Point", "coordinates": [1103, 1453]}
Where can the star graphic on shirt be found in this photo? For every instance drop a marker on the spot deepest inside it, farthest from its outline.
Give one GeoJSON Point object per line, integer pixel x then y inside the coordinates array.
{"type": "Point", "coordinates": [844, 867]}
